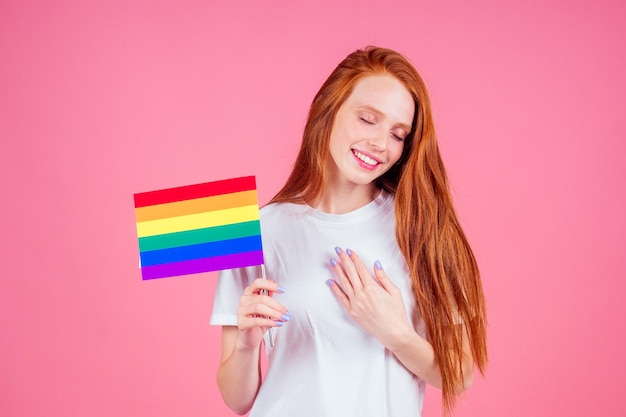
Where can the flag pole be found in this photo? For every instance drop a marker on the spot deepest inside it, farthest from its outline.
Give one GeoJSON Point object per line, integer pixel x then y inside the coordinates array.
{"type": "Point", "coordinates": [271, 329]}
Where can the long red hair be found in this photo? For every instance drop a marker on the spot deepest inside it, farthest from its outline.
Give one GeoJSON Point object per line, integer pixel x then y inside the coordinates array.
{"type": "Point", "coordinates": [444, 272]}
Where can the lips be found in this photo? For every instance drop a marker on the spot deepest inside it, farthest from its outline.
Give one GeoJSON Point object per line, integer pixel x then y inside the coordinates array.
{"type": "Point", "coordinates": [366, 159]}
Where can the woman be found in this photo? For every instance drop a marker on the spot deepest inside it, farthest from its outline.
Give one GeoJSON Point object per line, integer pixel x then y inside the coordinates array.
{"type": "Point", "coordinates": [368, 189]}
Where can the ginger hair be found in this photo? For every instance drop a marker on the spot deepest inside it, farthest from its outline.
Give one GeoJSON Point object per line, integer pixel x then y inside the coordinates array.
{"type": "Point", "coordinates": [444, 273]}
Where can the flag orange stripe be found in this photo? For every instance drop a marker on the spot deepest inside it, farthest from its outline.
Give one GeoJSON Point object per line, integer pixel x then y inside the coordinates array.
{"type": "Point", "coordinates": [197, 205]}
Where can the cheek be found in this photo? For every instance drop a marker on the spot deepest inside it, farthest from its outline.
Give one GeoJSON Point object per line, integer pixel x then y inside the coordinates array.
{"type": "Point", "coordinates": [339, 136]}
{"type": "Point", "coordinates": [394, 150]}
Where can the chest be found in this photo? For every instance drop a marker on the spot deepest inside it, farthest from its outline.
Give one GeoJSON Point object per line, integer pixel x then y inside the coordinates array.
{"type": "Point", "coordinates": [299, 260]}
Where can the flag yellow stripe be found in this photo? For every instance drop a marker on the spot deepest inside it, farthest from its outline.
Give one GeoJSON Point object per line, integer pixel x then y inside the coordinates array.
{"type": "Point", "coordinates": [198, 221]}
{"type": "Point", "coordinates": [196, 205]}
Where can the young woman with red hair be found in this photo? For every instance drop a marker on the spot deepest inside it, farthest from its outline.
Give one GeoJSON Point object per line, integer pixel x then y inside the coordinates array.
{"type": "Point", "coordinates": [368, 204]}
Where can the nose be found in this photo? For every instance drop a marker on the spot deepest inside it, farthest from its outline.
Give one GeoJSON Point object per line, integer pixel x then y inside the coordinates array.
{"type": "Point", "coordinates": [378, 140]}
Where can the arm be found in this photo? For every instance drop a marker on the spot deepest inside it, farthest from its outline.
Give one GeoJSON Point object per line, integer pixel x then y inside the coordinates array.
{"type": "Point", "coordinates": [239, 372]}
{"type": "Point", "coordinates": [417, 354]}
{"type": "Point", "coordinates": [377, 306]}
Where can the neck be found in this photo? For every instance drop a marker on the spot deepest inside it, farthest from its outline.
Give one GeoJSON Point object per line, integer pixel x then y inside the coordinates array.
{"type": "Point", "coordinates": [340, 200]}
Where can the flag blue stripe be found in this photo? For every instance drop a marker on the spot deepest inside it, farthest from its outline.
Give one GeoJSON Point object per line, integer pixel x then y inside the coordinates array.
{"type": "Point", "coordinates": [203, 250]}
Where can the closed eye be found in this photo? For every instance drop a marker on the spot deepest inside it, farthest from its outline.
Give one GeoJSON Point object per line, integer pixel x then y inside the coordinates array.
{"type": "Point", "coordinates": [399, 138]}
{"type": "Point", "coordinates": [367, 121]}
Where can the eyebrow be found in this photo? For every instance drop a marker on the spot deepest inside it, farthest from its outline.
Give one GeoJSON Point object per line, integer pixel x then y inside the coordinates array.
{"type": "Point", "coordinates": [380, 113]}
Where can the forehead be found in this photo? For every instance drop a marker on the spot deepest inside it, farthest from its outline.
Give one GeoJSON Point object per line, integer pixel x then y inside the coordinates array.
{"type": "Point", "coordinates": [384, 93]}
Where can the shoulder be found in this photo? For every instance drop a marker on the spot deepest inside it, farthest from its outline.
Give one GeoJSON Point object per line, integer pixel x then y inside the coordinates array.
{"type": "Point", "coordinates": [276, 217]}
{"type": "Point", "coordinates": [281, 211]}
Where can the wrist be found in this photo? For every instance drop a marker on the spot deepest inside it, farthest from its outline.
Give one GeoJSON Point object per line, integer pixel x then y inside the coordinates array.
{"type": "Point", "coordinates": [242, 346]}
{"type": "Point", "coordinates": [400, 338]}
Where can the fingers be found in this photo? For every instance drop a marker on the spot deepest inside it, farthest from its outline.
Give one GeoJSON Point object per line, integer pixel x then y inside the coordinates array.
{"type": "Point", "coordinates": [248, 322]}
{"type": "Point", "coordinates": [257, 307]}
{"type": "Point", "coordinates": [353, 275]}
{"type": "Point", "coordinates": [351, 270]}
{"type": "Point", "coordinates": [365, 277]}
{"type": "Point", "coordinates": [261, 284]}
{"type": "Point", "coordinates": [346, 271]}
{"type": "Point", "coordinates": [261, 305]}
{"type": "Point", "coordinates": [339, 293]}
{"type": "Point", "coordinates": [383, 279]}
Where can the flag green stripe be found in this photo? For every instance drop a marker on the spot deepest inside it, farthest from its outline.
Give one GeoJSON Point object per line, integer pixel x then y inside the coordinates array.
{"type": "Point", "coordinates": [197, 236]}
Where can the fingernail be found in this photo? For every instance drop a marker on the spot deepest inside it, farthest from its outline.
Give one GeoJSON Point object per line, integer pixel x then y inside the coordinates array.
{"type": "Point", "coordinates": [338, 250]}
{"type": "Point", "coordinates": [279, 323]}
{"type": "Point", "coordinates": [349, 252]}
{"type": "Point", "coordinates": [285, 317]}
{"type": "Point", "coordinates": [281, 289]}
{"type": "Point", "coordinates": [329, 282]}
{"type": "Point", "coordinates": [378, 265]}
{"type": "Point", "coordinates": [333, 262]}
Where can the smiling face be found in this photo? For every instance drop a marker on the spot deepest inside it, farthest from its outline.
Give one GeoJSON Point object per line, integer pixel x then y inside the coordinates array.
{"type": "Point", "coordinates": [368, 133]}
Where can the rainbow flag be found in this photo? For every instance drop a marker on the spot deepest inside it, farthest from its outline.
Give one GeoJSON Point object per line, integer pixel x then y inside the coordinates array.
{"type": "Point", "coordinates": [199, 228]}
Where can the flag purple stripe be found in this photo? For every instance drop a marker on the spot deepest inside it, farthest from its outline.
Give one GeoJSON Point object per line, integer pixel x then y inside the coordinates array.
{"type": "Point", "coordinates": [215, 263]}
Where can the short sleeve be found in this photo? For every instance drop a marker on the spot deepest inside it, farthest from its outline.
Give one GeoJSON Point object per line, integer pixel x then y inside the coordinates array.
{"type": "Point", "coordinates": [231, 284]}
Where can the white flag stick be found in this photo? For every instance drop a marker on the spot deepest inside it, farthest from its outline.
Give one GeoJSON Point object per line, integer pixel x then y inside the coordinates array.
{"type": "Point", "coordinates": [271, 329]}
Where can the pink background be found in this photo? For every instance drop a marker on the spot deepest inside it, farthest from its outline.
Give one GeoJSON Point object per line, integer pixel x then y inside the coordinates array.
{"type": "Point", "coordinates": [102, 100]}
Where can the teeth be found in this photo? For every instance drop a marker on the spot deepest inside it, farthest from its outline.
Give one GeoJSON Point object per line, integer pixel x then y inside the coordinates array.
{"type": "Point", "coordinates": [365, 158]}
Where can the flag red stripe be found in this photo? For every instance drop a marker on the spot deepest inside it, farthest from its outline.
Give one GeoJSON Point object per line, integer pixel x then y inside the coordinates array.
{"type": "Point", "coordinates": [189, 192]}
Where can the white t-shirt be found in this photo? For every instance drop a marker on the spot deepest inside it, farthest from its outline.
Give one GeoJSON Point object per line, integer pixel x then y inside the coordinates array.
{"type": "Point", "coordinates": [323, 363]}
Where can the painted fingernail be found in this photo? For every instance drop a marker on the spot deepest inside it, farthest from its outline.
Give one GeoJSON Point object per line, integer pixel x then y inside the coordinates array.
{"type": "Point", "coordinates": [330, 282]}
{"type": "Point", "coordinates": [285, 317]}
{"type": "Point", "coordinates": [338, 250]}
{"type": "Point", "coordinates": [333, 262]}
{"type": "Point", "coordinates": [378, 265]}
{"type": "Point", "coordinates": [279, 323]}
{"type": "Point", "coordinates": [281, 289]}
{"type": "Point", "coordinates": [349, 252]}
